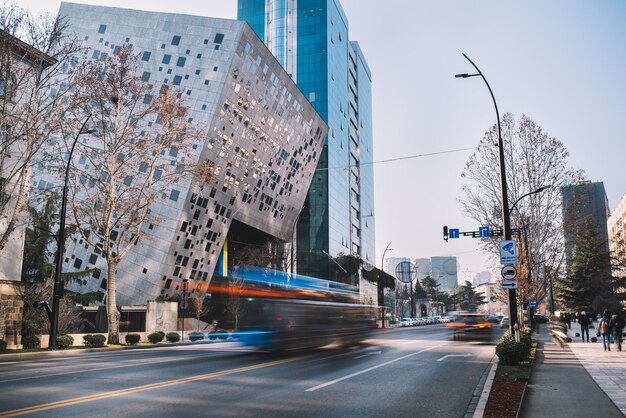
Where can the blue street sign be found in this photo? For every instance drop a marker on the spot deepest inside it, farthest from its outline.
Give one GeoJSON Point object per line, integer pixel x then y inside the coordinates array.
{"type": "Point", "coordinates": [532, 304]}
{"type": "Point", "coordinates": [483, 232]}
{"type": "Point", "coordinates": [453, 233]}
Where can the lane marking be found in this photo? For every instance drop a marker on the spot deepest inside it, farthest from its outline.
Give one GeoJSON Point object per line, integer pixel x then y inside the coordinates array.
{"type": "Point", "coordinates": [137, 389]}
{"type": "Point", "coordinates": [332, 382]}
{"type": "Point", "coordinates": [368, 354]}
{"type": "Point", "coordinates": [454, 355]}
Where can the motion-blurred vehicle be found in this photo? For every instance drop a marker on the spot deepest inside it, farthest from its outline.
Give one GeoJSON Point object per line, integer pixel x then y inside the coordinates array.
{"type": "Point", "coordinates": [470, 325]}
{"type": "Point", "coordinates": [504, 323]}
{"type": "Point", "coordinates": [494, 319]}
{"type": "Point", "coordinates": [541, 319]}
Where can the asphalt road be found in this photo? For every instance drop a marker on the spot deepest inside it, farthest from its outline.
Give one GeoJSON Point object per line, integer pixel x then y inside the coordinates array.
{"type": "Point", "coordinates": [402, 372]}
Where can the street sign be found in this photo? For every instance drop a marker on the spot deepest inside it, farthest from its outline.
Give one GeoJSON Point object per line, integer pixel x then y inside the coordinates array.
{"type": "Point", "coordinates": [532, 304]}
{"type": "Point", "coordinates": [483, 232]}
{"type": "Point", "coordinates": [509, 284]}
{"type": "Point", "coordinates": [453, 233]}
{"type": "Point", "coordinates": [508, 252]}
{"type": "Point", "coordinates": [405, 271]}
{"type": "Point", "coordinates": [509, 272]}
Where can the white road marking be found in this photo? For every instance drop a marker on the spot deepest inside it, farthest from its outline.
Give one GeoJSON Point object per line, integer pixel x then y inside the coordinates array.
{"type": "Point", "coordinates": [368, 354]}
{"type": "Point", "coordinates": [454, 355]}
{"type": "Point", "coordinates": [332, 382]}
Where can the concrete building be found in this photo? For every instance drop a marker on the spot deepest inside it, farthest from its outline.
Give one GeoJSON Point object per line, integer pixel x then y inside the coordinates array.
{"type": "Point", "coordinates": [584, 205]}
{"type": "Point", "coordinates": [20, 64]}
{"type": "Point", "coordinates": [444, 270]}
{"type": "Point", "coordinates": [617, 235]}
{"type": "Point", "coordinates": [311, 40]}
{"type": "Point", "coordinates": [495, 298]}
{"type": "Point", "coordinates": [264, 136]}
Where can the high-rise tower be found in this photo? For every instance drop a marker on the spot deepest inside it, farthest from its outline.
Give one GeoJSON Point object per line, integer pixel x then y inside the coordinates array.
{"type": "Point", "coordinates": [310, 39]}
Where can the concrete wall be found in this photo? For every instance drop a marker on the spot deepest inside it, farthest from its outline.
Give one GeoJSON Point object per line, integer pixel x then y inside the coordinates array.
{"type": "Point", "coordinates": [11, 311]}
{"type": "Point", "coordinates": [161, 316]}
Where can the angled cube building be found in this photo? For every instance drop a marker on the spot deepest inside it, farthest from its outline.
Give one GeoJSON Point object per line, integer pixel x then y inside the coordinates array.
{"type": "Point", "coordinates": [264, 139]}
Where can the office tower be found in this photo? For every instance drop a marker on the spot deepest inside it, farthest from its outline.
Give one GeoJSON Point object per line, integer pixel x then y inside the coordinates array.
{"type": "Point", "coordinates": [310, 39]}
{"type": "Point", "coordinates": [444, 270]}
{"type": "Point", "coordinates": [584, 205]}
{"type": "Point", "coordinates": [617, 235]}
{"type": "Point", "coordinates": [262, 134]}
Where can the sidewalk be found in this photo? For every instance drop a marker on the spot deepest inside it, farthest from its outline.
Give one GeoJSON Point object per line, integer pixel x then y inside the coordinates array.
{"type": "Point", "coordinates": [560, 386]}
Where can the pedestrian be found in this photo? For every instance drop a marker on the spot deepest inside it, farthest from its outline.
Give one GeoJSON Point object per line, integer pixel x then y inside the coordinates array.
{"type": "Point", "coordinates": [583, 321]}
{"type": "Point", "coordinates": [568, 319]}
{"type": "Point", "coordinates": [617, 325]}
{"type": "Point", "coordinates": [604, 329]}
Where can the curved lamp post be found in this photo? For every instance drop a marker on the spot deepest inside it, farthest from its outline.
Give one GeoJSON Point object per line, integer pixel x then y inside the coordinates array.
{"type": "Point", "coordinates": [58, 283]}
{"type": "Point", "coordinates": [381, 291]}
{"type": "Point", "coordinates": [506, 214]}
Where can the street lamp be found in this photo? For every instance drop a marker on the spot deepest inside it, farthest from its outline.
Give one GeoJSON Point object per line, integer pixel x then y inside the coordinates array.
{"type": "Point", "coordinates": [381, 293]}
{"type": "Point", "coordinates": [506, 215]}
{"type": "Point", "coordinates": [58, 283]}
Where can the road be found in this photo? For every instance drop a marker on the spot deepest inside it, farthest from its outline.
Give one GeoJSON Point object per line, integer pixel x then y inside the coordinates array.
{"type": "Point", "coordinates": [402, 372]}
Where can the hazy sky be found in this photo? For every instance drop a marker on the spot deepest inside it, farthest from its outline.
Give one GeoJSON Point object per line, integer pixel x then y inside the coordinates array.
{"type": "Point", "coordinates": [562, 63]}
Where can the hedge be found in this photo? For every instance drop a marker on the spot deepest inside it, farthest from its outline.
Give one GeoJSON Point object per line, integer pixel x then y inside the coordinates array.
{"type": "Point", "coordinates": [156, 337]}
{"type": "Point", "coordinates": [510, 351]}
{"type": "Point", "coordinates": [64, 341]}
{"type": "Point", "coordinates": [96, 340]}
{"type": "Point", "coordinates": [132, 339]}
{"type": "Point", "coordinates": [172, 337]}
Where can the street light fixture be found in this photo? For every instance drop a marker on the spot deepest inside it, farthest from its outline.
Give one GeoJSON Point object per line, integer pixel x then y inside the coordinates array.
{"type": "Point", "coordinates": [506, 215]}
{"type": "Point", "coordinates": [381, 292]}
{"type": "Point", "coordinates": [58, 283]}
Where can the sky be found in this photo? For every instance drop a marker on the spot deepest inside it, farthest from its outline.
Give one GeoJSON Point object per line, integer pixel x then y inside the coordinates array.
{"type": "Point", "coordinates": [562, 63]}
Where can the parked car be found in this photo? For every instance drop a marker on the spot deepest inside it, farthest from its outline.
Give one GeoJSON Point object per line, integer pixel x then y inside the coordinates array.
{"type": "Point", "coordinates": [406, 322]}
{"type": "Point", "coordinates": [504, 323]}
{"type": "Point", "coordinates": [470, 325]}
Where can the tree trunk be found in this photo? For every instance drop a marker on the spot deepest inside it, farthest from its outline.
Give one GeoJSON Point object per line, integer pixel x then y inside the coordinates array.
{"type": "Point", "coordinates": [112, 313]}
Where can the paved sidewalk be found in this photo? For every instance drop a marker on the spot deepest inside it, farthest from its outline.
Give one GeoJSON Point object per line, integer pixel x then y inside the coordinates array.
{"type": "Point", "coordinates": [608, 368]}
{"type": "Point", "coordinates": [560, 386]}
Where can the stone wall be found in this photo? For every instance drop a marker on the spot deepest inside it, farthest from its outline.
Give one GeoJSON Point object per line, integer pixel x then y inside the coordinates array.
{"type": "Point", "coordinates": [11, 312]}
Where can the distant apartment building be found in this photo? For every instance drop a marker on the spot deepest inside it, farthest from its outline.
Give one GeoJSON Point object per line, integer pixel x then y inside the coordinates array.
{"type": "Point", "coordinates": [444, 270]}
{"type": "Point", "coordinates": [617, 235]}
{"type": "Point", "coordinates": [493, 294]}
{"type": "Point", "coordinates": [422, 267]}
{"type": "Point", "coordinates": [264, 136]}
{"type": "Point", "coordinates": [584, 205]}
{"type": "Point", "coordinates": [20, 64]}
{"type": "Point", "coordinates": [481, 277]}
{"type": "Point", "coordinates": [311, 40]}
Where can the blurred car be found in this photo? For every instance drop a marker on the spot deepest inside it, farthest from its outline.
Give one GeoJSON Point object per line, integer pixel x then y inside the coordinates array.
{"type": "Point", "coordinates": [504, 323]}
{"type": "Point", "coordinates": [541, 319]}
{"type": "Point", "coordinates": [469, 325]}
{"type": "Point", "coordinates": [494, 319]}
{"type": "Point", "coordinates": [406, 322]}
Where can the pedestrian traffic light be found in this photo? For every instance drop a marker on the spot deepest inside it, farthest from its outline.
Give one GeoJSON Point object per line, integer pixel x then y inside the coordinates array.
{"type": "Point", "coordinates": [445, 233]}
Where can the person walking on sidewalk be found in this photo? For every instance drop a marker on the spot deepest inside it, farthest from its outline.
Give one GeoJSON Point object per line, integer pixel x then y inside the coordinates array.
{"type": "Point", "coordinates": [583, 321]}
{"type": "Point", "coordinates": [617, 325]}
{"type": "Point", "coordinates": [604, 329]}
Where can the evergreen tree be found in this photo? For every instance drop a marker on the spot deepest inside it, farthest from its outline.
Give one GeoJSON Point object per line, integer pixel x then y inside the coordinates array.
{"type": "Point", "coordinates": [589, 285]}
{"type": "Point", "coordinates": [468, 298]}
{"type": "Point", "coordinates": [37, 265]}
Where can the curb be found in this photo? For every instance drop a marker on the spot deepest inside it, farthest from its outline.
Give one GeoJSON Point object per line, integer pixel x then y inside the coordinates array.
{"type": "Point", "coordinates": [484, 396]}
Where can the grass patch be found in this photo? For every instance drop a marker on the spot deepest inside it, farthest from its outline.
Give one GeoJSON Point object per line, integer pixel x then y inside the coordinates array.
{"type": "Point", "coordinates": [519, 371]}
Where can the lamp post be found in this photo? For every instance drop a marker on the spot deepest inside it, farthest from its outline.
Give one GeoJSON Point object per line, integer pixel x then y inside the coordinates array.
{"type": "Point", "coordinates": [381, 292]}
{"type": "Point", "coordinates": [506, 215]}
{"type": "Point", "coordinates": [58, 283]}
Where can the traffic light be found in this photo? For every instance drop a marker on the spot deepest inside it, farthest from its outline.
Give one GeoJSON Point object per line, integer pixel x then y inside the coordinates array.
{"type": "Point", "coordinates": [445, 233]}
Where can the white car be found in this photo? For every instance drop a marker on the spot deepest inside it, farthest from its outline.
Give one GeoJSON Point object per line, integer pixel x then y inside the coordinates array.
{"type": "Point", "coordinates": [504, 322]}
{"type": "Point", "coordinates": [406, 322]}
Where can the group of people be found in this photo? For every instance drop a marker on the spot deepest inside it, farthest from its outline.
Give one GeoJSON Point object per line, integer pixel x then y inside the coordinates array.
{"type": "Point", "coordinates": [611, 326]}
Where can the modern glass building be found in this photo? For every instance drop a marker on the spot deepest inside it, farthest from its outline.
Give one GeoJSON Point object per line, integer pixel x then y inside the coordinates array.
{"type": "Point", "coordinates": [584, 203]}
{"type": "Point", "coordinates": [310, 39]}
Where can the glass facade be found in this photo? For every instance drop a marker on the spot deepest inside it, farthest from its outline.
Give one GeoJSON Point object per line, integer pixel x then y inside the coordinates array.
{"type": "Point", "coordinates": [310, 39]}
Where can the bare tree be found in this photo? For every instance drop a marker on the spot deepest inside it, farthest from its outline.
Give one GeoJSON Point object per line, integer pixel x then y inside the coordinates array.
{"type": "Point", "coordinates": [198, 307]}
{"type": "Point", "coordinates": [235, 299]}
{"type": "Point", "coordinates": [33, 88]}
{"type": "Point", "coordinates": [142, 147]}
{"type": "Point", "coordinates": [533, 159]}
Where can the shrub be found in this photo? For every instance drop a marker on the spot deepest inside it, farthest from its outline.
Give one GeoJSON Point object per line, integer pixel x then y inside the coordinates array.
{"type": "Point", "coordinates": [65, 341]}
{"type": "Point", "coordinates": [132, 339]}
{"type": "Point", "coordinates": [196, 336]}
{"type": "Point", "coordinates": [510, 351]}
{"type": "Point", "coordinates": [172, 337]}
{"type": "Point", "coordinates": [96, 340]}
{"type": "Point", "coordinates": [30, 341]}
{"type": "Point", "coordinates": [3, 346]}
{"type": "Point", "coordinates": [156, 337]}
